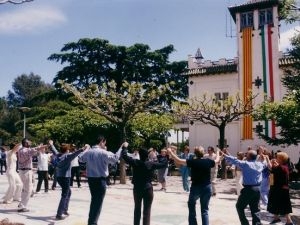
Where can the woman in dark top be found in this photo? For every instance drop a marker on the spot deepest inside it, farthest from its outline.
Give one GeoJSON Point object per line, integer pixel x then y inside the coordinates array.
{"type": "Point", "coordinates": [201, 182]}
{"type": "Point", "coordinates": [279, 197]}
{"type": "Point", "coordinates": [162, 173]}
{"type": "Point", "coordinates": [142, 186]}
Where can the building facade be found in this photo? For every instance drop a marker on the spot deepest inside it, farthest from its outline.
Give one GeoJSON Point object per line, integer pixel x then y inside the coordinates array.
{"type": "Point", "coordinates": [258, 69]}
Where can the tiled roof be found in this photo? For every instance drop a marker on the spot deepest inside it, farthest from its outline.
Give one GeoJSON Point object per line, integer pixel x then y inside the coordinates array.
{"type": "Point", "coordinates": [251, 5]}
{"type": "Point", "coordinates": [231, 68]}
{"type": "Point", "coordinates": [286, 61]}
{"type": "Point", "coordinates": [212, 70]}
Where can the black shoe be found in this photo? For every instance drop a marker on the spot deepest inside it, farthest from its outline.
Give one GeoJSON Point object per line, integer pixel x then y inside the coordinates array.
{"type": "Point", "coordinates": [66, 213]}
{"type": "Point", "coordinates": [23, 210]}
{"type": "Point", "coordinates": [275, 221]}
{"type": "Point", "coordinates": [59, 217]}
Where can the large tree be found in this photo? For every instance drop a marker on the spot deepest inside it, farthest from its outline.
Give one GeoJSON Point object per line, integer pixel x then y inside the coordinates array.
{"type": "Point", "coordinates": [119, 107]}
{"type": "Point", "coordinates": [25, 88]}
{"type": "Point", "coordinates": [217, 113]}
{"type": "Point", "coordinates": [96, 61]}
{"type": "Point", "coordinates": [118, 82]}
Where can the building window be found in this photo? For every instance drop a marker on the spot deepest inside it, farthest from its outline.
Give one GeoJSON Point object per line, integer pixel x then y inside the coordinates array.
{"type": "Point", "coordinates": [246, 19]}
{"type": "Point", "coordinates": [265, 17]}
{"type": "Point", "coordinates": [220, 97]}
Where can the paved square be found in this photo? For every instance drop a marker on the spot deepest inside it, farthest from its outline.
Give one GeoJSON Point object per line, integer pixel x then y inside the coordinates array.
{"type": "Point", "coordinates": [168, 208]}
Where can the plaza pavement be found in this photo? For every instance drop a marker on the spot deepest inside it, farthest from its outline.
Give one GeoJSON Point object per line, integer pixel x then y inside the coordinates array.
{"type": "Point", "coordinates": [168, 208]}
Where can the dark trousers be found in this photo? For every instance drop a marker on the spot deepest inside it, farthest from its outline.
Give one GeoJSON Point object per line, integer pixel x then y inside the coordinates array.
{"type": "Point", "coordinates": [3, 164]}
{"type": "Point", "coordinates": [75, 172]}
{"type": "Point", "coordinates": [63, 206]}
{"type": "Point", "coordinates": [202, 192]}
{"type": "Point", "coordinates": [42, 176]}
{"type": "Point", "coordinates": [97, 189]}
{"type": "Point", "coordinates": [145, 195]}
{"type": "Point", "coordinates": [249, 196]}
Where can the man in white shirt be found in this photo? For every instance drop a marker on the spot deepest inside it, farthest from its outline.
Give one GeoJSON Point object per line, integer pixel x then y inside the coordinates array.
{"type": "Point", "coordinates": [42, 170]}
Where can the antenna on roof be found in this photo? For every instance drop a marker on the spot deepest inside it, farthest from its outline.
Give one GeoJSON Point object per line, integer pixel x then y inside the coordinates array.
{"type": "Point", "coordinates": [228, 18]}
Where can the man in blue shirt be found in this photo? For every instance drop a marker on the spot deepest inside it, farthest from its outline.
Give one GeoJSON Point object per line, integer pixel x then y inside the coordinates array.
{"type": "Point", "coordinates": [97, 160]}
{"type": "Point", "coordinates": [252, 177]}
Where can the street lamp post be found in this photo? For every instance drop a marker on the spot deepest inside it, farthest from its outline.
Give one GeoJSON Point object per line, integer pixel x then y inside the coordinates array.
{"type": "Point", "coordinates": [24, 110]}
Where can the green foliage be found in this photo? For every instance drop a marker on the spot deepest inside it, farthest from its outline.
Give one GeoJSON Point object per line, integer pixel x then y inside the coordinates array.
{"type": "Point", "coordinates": [287, 10]}
{"type": "Point", "coordinates": [75, 126]}
{"type": "Point", "coordinates": [285, 113]}
{"type": "Point", "coordinates": [287, 117]}
{"type": "Point", "coordinates": [96, 61]}
{"type": "Point", "coordinates": [147, 127]}
{"type": "Point", "coordinates": [117, 107]}
{"type": "Point", "coordinates": [25, 88]}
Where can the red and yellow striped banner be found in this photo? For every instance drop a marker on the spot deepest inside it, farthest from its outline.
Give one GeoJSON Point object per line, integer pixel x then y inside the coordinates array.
{"type": "Point", "coordinates": [247, 79]}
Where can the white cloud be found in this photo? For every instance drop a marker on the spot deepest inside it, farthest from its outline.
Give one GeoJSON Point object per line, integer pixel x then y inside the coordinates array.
{"type": "Point", "coordinates": [30, 20]}
{"type": "Point", "coordinates": [285, 38]}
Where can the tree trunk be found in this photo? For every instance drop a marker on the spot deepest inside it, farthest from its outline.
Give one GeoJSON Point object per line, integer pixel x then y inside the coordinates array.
{"type": "Point", "coordinates": [221, 146]}
{"type": "Point", "coordinates": [122, 162]}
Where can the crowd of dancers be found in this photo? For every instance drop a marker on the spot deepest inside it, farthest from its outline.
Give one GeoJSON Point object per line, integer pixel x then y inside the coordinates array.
{"type": "Point", "coordinates": [262, 178]}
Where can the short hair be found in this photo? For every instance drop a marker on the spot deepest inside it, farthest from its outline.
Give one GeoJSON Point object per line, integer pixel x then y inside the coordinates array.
{"type": "Point", "coordinates": [199, 152]}
{"type": "Point", "coordinates": [64, 147]}
{"type": "Point", "coordinates": [186, 148]}
{"type": "Point", "coordinates": [282, 156]}
{"type": "Point", "coordinates": [211, 148]}
{"type": "Point", "coordinates": [251, 154]}
{"type": "Point", "coordinates": [240, 155]}
{"type": "Point", "coordinates": [143, 154]}
{"type": "Point", "coordinates": [99, 139]}
{"type": "Point", "coordinates": [24, 141]}
{"type": "Point", "coordinates": [163, 150]}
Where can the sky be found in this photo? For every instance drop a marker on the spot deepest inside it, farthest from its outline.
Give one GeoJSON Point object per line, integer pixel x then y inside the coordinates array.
{"type": "Point", "coordinates": [31, 32]}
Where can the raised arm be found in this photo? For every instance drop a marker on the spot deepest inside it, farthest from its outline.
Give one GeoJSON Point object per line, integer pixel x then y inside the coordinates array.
{"type": "Point", "coordinates": [269, 163]}
{"type": "Point", "coordinates": [16, 148]}
{"type": "Point", "coordinates": [217, 160]}
{"type": "Point", "coordinates": [52, 147]}
{"type": "Point", "coordinates": [129, 160]}
{"type": "Point", "coordinates": [178, 161]}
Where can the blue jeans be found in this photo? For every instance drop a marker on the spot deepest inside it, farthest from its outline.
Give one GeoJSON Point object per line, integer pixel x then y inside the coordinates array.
{"type": "Point", "coordinates": [185, 173]}
{"type": "Point", "coordinates": [97, 187]}
{"type": "Point", "coordinates": [204, 193]}
{"type": "Point", "coordinates": [63, 206]}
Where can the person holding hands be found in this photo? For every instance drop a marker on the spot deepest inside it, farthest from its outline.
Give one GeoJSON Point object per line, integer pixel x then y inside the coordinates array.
{"type": "Point", "coordinates": [142, 183]}
{"type": "Point", "coordinates": [15, 184]}
{"type": "Point", "coordinates": [97, 160]}
{"type": "Point", "coordinates": [63, 174]}
{"type": "Point", "coordinates": [25, 154]}
{"type": "Point", "coordinates": [252, 178]}
{"type": "Point", "coordinates": [201, 182]}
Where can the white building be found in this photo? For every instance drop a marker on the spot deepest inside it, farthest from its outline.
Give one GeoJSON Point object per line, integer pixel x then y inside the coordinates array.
{"type": "Point", "coordinates": [258, 68]}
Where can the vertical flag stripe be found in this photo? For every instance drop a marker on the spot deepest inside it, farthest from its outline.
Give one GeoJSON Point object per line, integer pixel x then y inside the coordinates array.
{"type": "Point", "coordinates": [270, 50]}
{"type": "Point", "coordinates": [268, 73]}
{"type": "Point", "coordinates": [264, 67]}
{"type": "Point", "coordinates": [247, 78]}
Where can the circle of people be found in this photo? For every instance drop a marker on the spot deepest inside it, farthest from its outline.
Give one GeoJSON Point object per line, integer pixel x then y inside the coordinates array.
{"type": "Point", "coordinates": [262, 179]}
